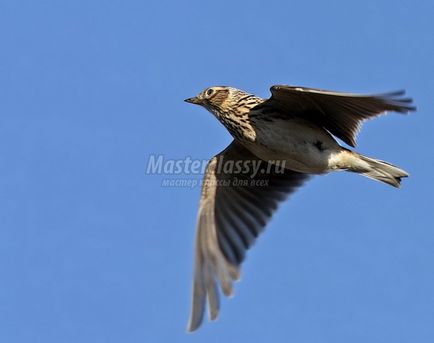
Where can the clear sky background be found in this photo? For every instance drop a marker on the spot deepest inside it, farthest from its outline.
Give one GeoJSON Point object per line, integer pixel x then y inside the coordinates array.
{"type": "Point", "coordinates": [94, 250]}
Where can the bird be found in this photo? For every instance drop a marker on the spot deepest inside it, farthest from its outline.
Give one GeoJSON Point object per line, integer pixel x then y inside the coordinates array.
{"type": "Point", "coordinates": [278, 144]}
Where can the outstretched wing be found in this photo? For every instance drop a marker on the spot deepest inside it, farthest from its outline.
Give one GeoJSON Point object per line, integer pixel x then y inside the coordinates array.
{"type": "Point", "coordinates": [239, 195]}
{"type": "Point", "coordinates": [340, 113]}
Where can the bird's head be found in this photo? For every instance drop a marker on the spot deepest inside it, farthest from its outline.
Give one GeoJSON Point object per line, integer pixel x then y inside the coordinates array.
{"type": "Point", "coordinates": [212, 97]}
{"type": "Point", "coordinates": [218, 99]}
{"type": "Point", "coordinates": [230, 106]}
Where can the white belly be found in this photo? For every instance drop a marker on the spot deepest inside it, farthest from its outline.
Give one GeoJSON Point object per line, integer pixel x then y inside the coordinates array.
{"type": "Point", "coordinates": [302, 146]}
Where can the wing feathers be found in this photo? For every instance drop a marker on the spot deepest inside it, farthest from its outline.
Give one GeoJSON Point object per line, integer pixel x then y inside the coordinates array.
{"type": "Point", "coordinates": [340, 113]}
{"type": "Point", "coordinates": [230, 219]}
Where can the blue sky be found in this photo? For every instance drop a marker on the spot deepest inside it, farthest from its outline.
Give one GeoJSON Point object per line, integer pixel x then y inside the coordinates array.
{"type": "Point", "coordinates": [94, 250]}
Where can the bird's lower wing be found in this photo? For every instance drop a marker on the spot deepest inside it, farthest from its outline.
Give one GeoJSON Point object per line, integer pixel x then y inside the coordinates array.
{"type": "Point", "coordinates": [239, 195]}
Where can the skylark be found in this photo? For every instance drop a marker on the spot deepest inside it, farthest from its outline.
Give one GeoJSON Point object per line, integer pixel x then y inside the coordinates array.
{"type": "Point", "coordinates": [278, 144]}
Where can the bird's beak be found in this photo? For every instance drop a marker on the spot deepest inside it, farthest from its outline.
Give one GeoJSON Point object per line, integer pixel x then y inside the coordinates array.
{"type": "Point", "coordinates": [195, 100]}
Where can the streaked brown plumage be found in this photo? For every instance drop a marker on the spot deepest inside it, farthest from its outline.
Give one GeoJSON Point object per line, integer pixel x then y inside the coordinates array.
{"type": "Point", "coordinates": [296, 127]}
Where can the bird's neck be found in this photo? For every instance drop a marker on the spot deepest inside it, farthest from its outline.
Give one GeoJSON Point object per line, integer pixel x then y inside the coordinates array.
{"type": "Point", "coordinates": [236, 117]}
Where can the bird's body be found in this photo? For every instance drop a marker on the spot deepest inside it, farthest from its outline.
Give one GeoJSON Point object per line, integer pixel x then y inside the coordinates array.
{"type": "Point", "coordinates": [294, 129]}
{"type": "Point", "coordinates": [302, 147]}
{"type": "Point", "coordinates": [270, 135]}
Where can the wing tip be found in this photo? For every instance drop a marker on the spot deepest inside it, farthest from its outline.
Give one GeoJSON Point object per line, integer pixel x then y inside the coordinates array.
{"type": "Point", "coordinates": [193, 325]}
{"type": "Point", "coordinates": [398, 102]}
{"type": "Point", "coordinates": [398, 92]}
{"type": "Point", "coordinates": [214, 314]}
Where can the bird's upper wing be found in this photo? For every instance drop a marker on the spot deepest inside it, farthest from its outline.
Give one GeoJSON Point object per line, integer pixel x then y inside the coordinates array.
{"type": "Point", "coordinates": [339, 113]}
{"type": "Point", "coordinates": [235, 206]}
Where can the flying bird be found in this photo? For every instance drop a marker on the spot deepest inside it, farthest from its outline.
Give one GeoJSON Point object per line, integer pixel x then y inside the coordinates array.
{"type": "Point", "coordinates": [278, 144]}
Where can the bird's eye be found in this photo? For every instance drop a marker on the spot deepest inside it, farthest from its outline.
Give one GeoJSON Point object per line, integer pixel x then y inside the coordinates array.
{"type": "Point", "coordinates": [209, 92]}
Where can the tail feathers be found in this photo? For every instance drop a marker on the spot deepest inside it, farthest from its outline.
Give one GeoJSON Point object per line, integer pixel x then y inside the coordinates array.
{"type": "Point", "coordinates": [378, 170]}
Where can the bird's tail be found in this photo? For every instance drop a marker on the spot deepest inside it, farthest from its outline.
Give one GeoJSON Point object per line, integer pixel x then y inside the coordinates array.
{"type": "Point", "coordinates": [376, 169]}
